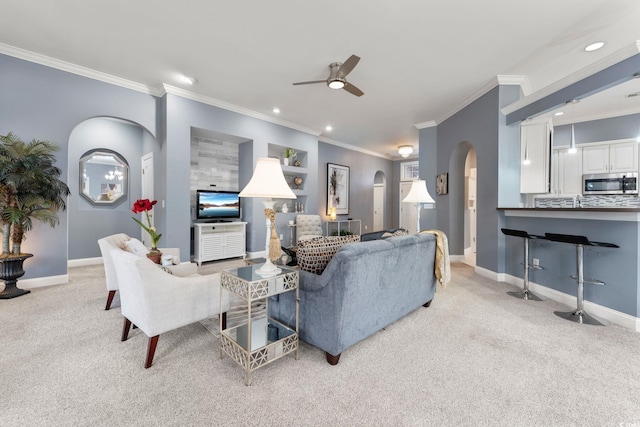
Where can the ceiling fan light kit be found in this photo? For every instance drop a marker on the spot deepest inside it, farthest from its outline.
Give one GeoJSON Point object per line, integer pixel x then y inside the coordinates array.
{"type": "Point", "coordinates": [337, 76]}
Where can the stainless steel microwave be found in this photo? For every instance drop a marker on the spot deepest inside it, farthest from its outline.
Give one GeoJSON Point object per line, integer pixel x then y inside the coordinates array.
{"type": "Point", "coordinates": [610, 183]}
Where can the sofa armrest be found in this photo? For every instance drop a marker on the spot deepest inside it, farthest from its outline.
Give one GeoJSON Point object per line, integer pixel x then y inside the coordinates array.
{"type": "Point", "coordinates": [183, 270]}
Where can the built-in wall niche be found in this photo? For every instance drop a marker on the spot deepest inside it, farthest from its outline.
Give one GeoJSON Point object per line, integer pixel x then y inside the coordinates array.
{"type": "Point", "coordinates": [296, 177]}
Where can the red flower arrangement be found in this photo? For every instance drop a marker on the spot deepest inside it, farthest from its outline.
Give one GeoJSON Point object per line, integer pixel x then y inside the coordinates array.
{"type": "Point", "coordinates": [145, 205]}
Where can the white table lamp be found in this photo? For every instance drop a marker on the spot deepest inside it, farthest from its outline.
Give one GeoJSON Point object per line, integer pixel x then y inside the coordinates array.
{"type": "Point", "coordinates": [268, 183]}
{"type": "Point", "coordinates": [418, 194]}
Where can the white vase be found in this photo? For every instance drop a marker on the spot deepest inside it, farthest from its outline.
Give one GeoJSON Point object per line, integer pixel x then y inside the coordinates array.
{"type": "Point", "coordinates": [285, 161]}
{"type": "Point", "coordinates": [285, 208]}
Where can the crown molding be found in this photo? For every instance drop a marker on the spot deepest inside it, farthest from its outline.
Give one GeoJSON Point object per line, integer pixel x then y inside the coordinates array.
{"type": "Point", "coordinates": [165, 88]}
{"type": "Point", "coordinates": [502, 79]}
{"type": "Point", "coordinates": [351, 147]}
{"type": "Point", "coordinates": [157, 91]}
{"type": "Point", "coordinates": [74, 69]}
{"type": "Point", "coordinates": [600, 65]}
{"type": "Point", "coordinates": [424, 125]}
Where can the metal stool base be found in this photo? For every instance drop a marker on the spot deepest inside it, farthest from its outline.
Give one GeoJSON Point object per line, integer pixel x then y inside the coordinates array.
{"type": "Point", "coordinates": [581, 316]}
{"type": "Point", "coordinates": [525, 295]}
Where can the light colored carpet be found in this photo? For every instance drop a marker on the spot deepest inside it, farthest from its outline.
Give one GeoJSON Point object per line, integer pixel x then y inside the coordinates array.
{"type": "Point", "coordinates": [476, 357]}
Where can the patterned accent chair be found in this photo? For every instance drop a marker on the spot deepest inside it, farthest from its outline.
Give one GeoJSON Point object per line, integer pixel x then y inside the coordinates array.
{"type": "Point", "coordinates": [308, 227]}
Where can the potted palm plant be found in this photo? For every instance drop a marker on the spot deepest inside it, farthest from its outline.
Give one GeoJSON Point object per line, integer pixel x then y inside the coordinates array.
{"type": "Point", "coordinates": [30, 189]}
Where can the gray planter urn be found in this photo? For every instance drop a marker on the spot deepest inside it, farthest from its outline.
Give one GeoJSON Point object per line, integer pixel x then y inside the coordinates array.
{"type": "Point", "coordinates": [10, 270]}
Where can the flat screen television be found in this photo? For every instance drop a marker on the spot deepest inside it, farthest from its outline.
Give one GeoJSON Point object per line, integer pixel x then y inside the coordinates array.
{"type": "Point", "coordinates": [214, 205]}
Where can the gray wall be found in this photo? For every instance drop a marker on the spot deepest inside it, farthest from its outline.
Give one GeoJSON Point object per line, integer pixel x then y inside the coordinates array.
{"type": "Point", "coordinates": [183, 114]}
{"type": "Point", "coordinates": [87, 222]}
{"type": "Point", "coordinates": [429, 169]}
{"type": "Point", "coordinates": [482, 126]}
{"type": "Point", "coordinates": [45, 103]}
{"type": "Point", "coordinates": [362, 171]}
{"type": "Point", "coordinates": [610, 129]}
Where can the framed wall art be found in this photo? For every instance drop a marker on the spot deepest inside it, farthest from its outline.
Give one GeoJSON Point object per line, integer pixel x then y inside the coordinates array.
{"type": "Point", "coordinates": [442, 184]}
{"type": "Point", "coordinates": [337, 189]}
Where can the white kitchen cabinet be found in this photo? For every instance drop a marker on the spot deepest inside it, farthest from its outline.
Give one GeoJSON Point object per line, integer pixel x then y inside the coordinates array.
{"type": "Point", "coordinates": [610, 158]}
{"type": "Point", "coordinates": [566, 178]}
{"type": "Point", "coordinates": [219, 240]}
{"type": "Point", "coordinates": [535, 146]}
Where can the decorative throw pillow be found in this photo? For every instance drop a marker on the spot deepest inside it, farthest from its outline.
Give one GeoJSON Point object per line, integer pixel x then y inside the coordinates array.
{"type": "Point", "coordinates": [314, 255]}
{"type": "Point", "coordinates": [137, 247]}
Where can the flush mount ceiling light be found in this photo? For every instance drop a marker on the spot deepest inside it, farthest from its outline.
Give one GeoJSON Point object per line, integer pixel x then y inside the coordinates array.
{"type": "Point", "coordinates": [328, 128]}
{"type": "Point", "coordinates": [559, 113]}
{"type": "Point", "coordinates": [405, 150]}
{"type": "Point", "coordinates": [276, 110]}
{"type": "Point", "coordinates": [594, 46]}
{"type": "Point", "coordinates": [187, 80]}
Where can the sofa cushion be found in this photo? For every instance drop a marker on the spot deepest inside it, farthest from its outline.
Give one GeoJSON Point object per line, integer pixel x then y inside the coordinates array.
{"type": "Point", "coordinates": [314, 255]}
{"type": "Point", "coordinates": [137, 247]}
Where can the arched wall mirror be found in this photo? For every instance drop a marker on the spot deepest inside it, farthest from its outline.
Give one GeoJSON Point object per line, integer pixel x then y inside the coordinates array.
{"type": "Point", "coordinates": [103, 177]}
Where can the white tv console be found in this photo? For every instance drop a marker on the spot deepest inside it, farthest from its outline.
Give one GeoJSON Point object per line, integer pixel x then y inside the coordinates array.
{"type": "Point", "coordinates": [218, 240]}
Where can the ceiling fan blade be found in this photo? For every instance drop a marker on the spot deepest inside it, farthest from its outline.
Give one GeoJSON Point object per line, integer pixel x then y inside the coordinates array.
{"type": "Point", "coordinates": [309, 82]}
{"type": "Point", "coordinates": [348, 65]}
{"type": "Point", "coordinates": [352, 89]}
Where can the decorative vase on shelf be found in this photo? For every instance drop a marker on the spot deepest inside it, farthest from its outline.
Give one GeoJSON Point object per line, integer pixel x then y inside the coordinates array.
{"type": "Point", "coordinates": [155, 256]}
{"type": "Point", "coordinates": [298, 182]}
{"type": "Point", "coordinates": [285, 208]}
{"type": "Point", "coordinates": [285, 161]}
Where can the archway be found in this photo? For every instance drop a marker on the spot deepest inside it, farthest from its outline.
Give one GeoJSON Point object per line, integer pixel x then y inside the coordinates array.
{"type": "Point", "coordinates": [457, 198]}
{"type": "Point", "coordinates": [88, 222]}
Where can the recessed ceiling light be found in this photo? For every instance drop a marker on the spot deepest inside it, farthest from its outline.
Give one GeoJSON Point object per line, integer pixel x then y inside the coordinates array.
{"type": "Point", "coordinates": [559, 113]}
{"type": "Point", "coordinates": [328, 128]}
{"type": "Point", "coordinates": [187, 80]}
{"type": "Point", "coordinates": [594, 46]}
{"type": "Point", "coordinates": [276, 110]}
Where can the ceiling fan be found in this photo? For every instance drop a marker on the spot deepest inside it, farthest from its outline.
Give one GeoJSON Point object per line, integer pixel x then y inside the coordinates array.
{"type": "Point", "coordinates": [338, 76]}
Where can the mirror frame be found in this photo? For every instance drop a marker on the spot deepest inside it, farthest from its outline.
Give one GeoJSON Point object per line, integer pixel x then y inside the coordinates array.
{"type": "Point", "coordinates": [86, 194]}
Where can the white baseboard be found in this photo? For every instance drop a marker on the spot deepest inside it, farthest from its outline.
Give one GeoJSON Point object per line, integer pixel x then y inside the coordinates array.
{"type": "Point", "coordinates": [613, 316]}
{"type": "Point", "coordinates": [456, 258]}
{"type": "Point", "coordinates": [40, 282]}
{"type": "Point", "coordinates": [261, 254]}
{"type": "Point", "coordinates": [83, 262]}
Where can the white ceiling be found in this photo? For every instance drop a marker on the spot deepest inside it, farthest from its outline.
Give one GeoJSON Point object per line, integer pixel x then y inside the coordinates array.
{"type": "Point", "coordinates": [421, 59]}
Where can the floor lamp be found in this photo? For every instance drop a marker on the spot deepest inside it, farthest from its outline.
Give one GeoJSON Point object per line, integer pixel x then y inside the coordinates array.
{"type": "Point", "coordinates": [418, 194]}
{"type": "Point", "coordinates": [268, 183]}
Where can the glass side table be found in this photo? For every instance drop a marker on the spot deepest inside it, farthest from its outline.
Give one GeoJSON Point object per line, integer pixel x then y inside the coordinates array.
{"type": "Point", "coordinates": [257, 339]}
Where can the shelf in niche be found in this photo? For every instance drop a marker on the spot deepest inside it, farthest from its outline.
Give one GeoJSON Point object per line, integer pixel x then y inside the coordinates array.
{"type": "Point", "coordinates": [294, 170]}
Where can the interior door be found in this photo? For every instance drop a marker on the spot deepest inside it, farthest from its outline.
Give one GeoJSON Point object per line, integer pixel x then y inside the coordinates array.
{"type": "Point", "coordinates": [378, 207]}
{"type": "Point", "coordinates": [147, 191]}
{"type": "Point", "coordinates": [472, 209]}
{"type": "Point", "coordinates": [408, 211]}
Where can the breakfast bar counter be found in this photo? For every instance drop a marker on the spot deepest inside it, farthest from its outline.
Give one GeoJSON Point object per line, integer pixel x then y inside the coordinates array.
{"type": "Point", "coordinates": [619, 298]}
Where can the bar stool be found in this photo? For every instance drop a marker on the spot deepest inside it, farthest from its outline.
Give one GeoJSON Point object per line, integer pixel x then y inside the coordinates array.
{"type": "Point", "coordinates": [579, 315]}
{"type": "Point", "coordinates": [525, 293]}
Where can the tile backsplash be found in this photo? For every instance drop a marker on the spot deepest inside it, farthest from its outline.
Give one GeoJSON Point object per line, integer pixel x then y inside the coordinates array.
{"type": "Point", "coordinates": [609, 201]}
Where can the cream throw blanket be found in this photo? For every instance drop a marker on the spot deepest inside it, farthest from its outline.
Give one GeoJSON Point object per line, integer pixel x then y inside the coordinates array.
{"type": "Point", "coordinates": [443, 266]}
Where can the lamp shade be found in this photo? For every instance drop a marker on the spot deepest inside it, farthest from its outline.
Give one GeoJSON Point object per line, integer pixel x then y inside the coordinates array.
{"type": "Point", "coordinates": [268, 181]}
{"type": "Point", "coordinates": [418, 193]}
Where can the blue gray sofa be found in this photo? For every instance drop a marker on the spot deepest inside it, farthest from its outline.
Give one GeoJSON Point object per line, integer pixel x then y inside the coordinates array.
{"type": "Point", "coordinates": [365, 287]}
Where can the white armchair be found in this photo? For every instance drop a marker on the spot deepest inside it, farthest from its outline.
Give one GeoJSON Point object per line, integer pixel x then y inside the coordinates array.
{"type": "Point", "coordinates": [117, 241]}
{"type": "Point", "coordinates": [157, 302]}
{"type": "Point", "coordinates": [308, 227]}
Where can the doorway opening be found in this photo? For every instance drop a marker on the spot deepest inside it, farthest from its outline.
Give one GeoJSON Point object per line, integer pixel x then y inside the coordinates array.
{"type": "Point", "coordinates": [470, 204]}
{"type": "Point", "coordinates": [379, 191]}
